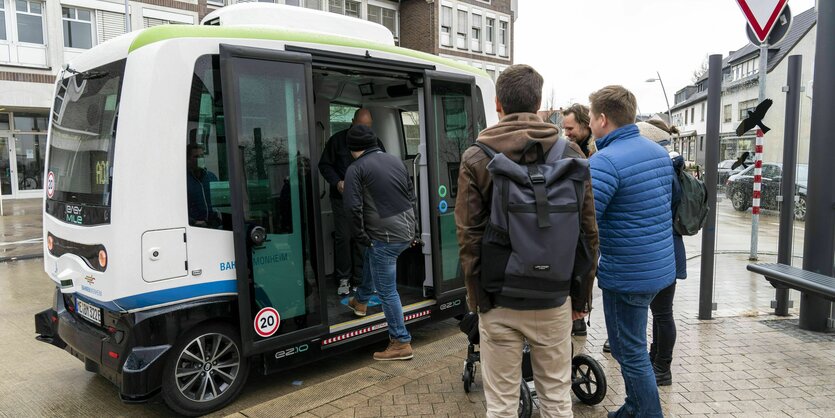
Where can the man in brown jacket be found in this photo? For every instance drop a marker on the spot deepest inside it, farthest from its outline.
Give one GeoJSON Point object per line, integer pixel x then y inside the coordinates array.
{"type": "Point", "coordinates": [503, 329]}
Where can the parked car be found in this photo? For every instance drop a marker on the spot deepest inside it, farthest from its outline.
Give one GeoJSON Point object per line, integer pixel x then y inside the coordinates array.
{"type": "Point", "coordinates": [726, 171]}
{"type": "Point", "coordinates": [740, 186]}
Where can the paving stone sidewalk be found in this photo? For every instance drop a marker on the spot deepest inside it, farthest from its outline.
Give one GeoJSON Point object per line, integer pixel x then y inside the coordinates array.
{"type": "Point", "coordinates": [744, 363]}
{"type": "Point", "coordinates": [20, 229]}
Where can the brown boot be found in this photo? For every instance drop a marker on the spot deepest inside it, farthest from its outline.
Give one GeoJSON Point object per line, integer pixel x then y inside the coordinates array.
{"type": "Point", "coordinates": [360, 309]}
{"type": "Point", "coordinates": [395, 351]}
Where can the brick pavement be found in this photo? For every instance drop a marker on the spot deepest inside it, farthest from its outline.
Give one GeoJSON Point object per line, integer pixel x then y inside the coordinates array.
{"type": "Point", "coordinates": [745, 362]}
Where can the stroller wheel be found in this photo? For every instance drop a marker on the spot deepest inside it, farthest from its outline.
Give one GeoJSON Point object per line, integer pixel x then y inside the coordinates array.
{"type": "Point", "coordinates": [587, 379]}
{"type": "Point", "coordinates": [525, 400]}
{"type": "Point", "coordinates": [468, 376]}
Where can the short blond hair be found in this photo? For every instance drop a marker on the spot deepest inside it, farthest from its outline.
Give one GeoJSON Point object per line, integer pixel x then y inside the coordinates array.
{"type": "Point", "coordinates": [616, 102]}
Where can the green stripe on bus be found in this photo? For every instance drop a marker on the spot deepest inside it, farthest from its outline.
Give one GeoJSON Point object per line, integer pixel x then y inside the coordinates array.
{"type": "Point", "coordinates": [164, 32]}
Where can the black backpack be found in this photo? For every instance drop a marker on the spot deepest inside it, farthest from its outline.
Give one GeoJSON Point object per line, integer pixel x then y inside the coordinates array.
{"type": "Point", "coordinates": [691, 214]}
{"type": "Point", "coordinates": [533, 246]}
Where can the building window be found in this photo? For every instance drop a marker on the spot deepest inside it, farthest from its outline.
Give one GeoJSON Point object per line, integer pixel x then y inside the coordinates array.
{"type": "Point", "coordinates": [383, 16]}
{"type": "Point", "coordinates": [492, 74]}
{"type": "Point", "coordinates": [336, 6]}
{"type": "Point", "coordinates": [745, 106]}
{"type": "Point", "coordinates": [703, 112]}
{"type": "Point", "coordinates": [701, 143]}
{"type": "Point", "coordinates": [292, 2]}
{"type": "Point", "coordinates": [503, 38]}
{"type": "Point", "coordinates": [30, 21]}
{"type": "Point", "coordinates": [78, 28]}
{"type": "Point", "coordinates": [352, 8]}
{"type": "Point", "coordinates": [685, 116]}
{"type": "Point", "coordinates": [727, 110]}
{"type": "Point", "coordinates": [2, 21]}
{"type": "Point", "coordinates": [446, 26]}
{"type": "Point", "coordinates": [693, 114]}
{"type": "Point", "coordinates": [489, 34]}
{"type": "Point", "coordinates": [313, 4]}
{"type": "Point", "coordinates": [475, 43]}
{"type": "Point", "coordinates": [215, 2]}
{"type": "Point", "coordinates": [461, 28]}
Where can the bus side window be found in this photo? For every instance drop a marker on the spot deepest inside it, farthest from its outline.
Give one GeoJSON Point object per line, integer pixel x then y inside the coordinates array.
{"type": "Point", "coordinates": [411, 132]}
{"type": "Point", "coordinates": [207, 173]}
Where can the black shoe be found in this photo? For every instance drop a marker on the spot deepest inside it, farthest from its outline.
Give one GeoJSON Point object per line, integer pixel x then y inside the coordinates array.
{"type": "Point", "coordinates": [663, 375]}
{"type": "Point", "coordinates": [579, 328]}
{"type": "Point", "coordinates": [606, 347]}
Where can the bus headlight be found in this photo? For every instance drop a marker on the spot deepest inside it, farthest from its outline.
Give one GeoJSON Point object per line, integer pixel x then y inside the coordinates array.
{"type": "Point", "coordinates": [102, 258]}
{"type": "Point", "coordinates": [50, 242]}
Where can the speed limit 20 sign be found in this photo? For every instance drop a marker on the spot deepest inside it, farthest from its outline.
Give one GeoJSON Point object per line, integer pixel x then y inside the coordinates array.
{"type": "Point", "coordinates": [266, 322]}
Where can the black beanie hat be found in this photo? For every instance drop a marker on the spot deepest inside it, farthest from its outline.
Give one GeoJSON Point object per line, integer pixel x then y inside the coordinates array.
{"type": "Point", "coordinates": [361, 138]}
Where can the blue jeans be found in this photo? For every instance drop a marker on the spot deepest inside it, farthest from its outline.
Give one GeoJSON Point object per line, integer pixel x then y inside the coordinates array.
{"type": "Point", "coordinates": [626, 323]}
{"type": "Point", "coordinates": [379, 271]}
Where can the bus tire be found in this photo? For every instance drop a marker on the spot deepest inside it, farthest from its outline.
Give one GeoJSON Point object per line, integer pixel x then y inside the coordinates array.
{"type": "Point", "coordinates": [205, 371]}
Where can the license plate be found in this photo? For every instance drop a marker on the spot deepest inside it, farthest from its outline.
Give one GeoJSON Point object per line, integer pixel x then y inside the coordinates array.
{"type": "Point", "coordinates": [89, 312]}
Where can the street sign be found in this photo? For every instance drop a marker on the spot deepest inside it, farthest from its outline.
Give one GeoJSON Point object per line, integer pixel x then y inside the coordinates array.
{"type": "Point", "coordinates": [762, 15]}
{"type": "Point", "coordinates": [780, 29]}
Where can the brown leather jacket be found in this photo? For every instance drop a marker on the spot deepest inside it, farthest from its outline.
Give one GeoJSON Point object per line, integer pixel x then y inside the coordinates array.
{"type": "Point", "coordinates": [475, 186]}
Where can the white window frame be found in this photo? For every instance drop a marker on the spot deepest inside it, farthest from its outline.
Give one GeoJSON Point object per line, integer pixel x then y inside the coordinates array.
{"type": "Point", "coordinates": [341, 12]}
{"type": "Point", "coordinates": [504, 47]}
{"type": "Point", "coordinates": [5, 22]}
{"type": "Point", "coordinates": [462, 34]}
{"type": "Point", "coordinates": [360, 12]}
{"type": "Point", "coordinates": [218, 3]}
{"type": "Point", "coordinates": [476, 23]}
{"type": "Point", "coordinates": [446, 37]}
{"type": "Point", "coordinates": [490, 42]}
{"type": "Point", "coordinates": [43, 22]}
{"type": "Point", "coordinates": [384, 8]}
{"type": "Point", "coordinates": [92, 22]}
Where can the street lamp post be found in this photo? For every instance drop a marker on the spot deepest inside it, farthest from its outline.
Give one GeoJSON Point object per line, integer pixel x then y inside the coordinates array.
{"type": "Point", "coordinates": [658, 79]}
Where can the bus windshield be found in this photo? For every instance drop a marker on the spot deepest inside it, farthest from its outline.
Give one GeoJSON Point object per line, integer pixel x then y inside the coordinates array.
{"type": "Point", "coordinates": [83, 135]}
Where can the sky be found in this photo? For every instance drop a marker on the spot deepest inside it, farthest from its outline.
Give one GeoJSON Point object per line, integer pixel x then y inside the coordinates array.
{"type": "Point", "coordinates": [580, 46]}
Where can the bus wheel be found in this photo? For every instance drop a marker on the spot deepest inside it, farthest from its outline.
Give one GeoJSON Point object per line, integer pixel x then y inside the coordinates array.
{"type": "Point", "coordinates": [205, 370]}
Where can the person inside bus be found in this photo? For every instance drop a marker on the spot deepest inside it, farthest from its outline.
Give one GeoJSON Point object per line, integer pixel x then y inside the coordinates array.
{"type": "Point", "coordinates": [198, 179]}
{"type": "Point", "coordinates": [379, 198]}
{"type": "Point", "coordinates": [333, 165]}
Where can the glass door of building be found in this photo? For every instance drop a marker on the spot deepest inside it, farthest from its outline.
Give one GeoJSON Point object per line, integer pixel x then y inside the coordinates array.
{"type": "Point", "coordinates": [7, 173]}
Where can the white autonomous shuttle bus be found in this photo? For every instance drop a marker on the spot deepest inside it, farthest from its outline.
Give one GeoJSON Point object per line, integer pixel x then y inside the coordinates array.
{"type": "Point", "coordinates": [156, 301]}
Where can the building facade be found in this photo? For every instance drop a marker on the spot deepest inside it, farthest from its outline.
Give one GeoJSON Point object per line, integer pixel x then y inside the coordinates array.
{"type": "Point", "coordinates": [36, 38]}
{"type": "Point", "coordinates": [740, 91]}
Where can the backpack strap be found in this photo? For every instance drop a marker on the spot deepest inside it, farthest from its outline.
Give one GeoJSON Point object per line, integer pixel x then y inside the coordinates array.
{"type": "Point", "coordinates": [490, 152]}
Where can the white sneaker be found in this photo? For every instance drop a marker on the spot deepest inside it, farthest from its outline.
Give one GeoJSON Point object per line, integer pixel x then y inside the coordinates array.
{"type": "Point", "coordinates": [344, 288]}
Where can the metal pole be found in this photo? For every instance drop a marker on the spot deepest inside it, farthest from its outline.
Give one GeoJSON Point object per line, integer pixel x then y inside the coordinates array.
{"type": "Point", "coordinates": [784, 245]}
{"type": "Point", "coordinates": [758, 159]}
{"type": "Point", "coordinates": [127, 16]}
{"type": "Point", "coordinates": [669, 114]}
{"type": "Point", "coordinates": [714, 96]}
{"type": "Point", "coordinates": [819, 240]}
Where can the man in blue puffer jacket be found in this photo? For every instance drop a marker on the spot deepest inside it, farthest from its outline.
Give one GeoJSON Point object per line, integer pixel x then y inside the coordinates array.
{"type": "Point", "coordinates": [632, 179]}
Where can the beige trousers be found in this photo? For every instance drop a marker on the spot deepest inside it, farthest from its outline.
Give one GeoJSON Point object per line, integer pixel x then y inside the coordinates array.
{"type": "Point", "coordinates": [548, 333]}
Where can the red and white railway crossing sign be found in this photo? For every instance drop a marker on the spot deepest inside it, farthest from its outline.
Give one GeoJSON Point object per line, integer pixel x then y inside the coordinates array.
{"type": "Point", "coordinates": [762, 15]}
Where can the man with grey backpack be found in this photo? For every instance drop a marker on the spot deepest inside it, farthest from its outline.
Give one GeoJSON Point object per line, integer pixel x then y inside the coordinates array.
{"type": "Point", "coordinates": [528, 244]}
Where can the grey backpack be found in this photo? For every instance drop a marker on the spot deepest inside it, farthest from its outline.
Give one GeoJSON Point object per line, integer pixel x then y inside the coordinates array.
{"type": "Point", "coordinates": [533, 246]}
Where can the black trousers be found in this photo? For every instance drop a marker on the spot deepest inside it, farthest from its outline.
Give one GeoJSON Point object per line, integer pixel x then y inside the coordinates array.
{"type": "Point", "coordinates": [663, 327]}
{"type": "Point", "coordinates": [346, 253]}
